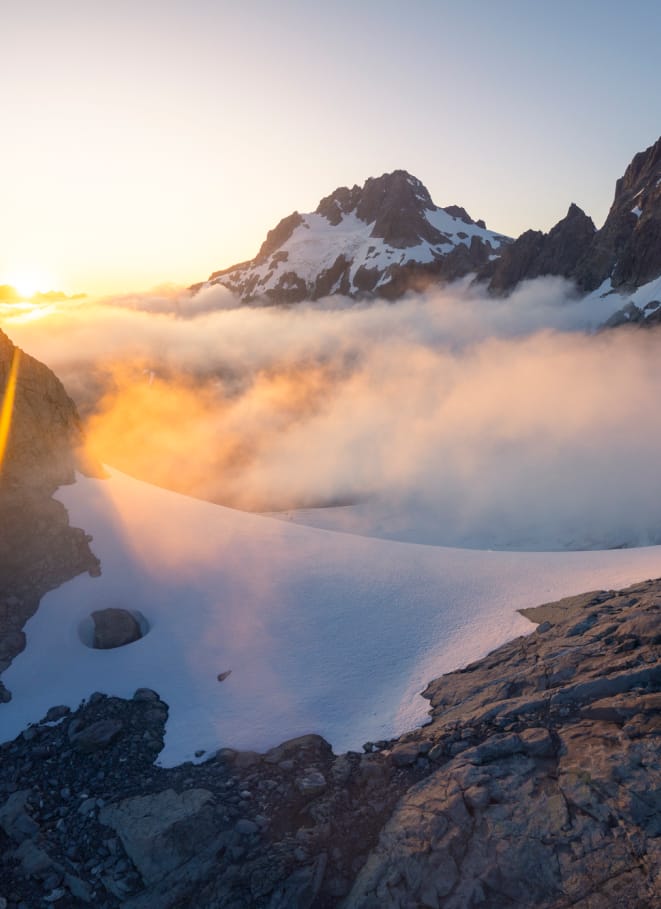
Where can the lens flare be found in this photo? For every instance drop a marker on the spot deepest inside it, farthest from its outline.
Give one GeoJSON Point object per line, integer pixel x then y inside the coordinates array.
{"type": "Point", "coordinates": [7, 407]}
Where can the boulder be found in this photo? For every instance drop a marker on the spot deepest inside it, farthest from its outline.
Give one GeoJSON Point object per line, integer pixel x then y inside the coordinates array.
{"type": "Point", "coordinates": [162, 831]}
{"type": "Point", "coordinates": [114, 628]}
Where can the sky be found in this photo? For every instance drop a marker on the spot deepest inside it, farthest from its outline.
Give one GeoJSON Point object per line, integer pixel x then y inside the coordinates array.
{"type": "Point", "coordinates": [151, 142]}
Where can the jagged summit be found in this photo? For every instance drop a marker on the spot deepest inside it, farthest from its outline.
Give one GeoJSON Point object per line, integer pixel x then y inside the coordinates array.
{"type": "Point", "coordinates": [626, 251]}
{"type": "Point", "coordinates": [381, 239]}
{"type": "Point", "coordinates": [536, 254]}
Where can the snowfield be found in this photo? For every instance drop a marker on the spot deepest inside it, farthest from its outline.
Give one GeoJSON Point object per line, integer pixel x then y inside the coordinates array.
{"type": "Point", "coordinates": [323, 632]}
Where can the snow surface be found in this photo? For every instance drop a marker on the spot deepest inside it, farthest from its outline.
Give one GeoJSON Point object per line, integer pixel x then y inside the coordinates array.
{"type": "Point", "coordinates": [323, 632]}
{"type": "Point", "coordinates": [641, 296]}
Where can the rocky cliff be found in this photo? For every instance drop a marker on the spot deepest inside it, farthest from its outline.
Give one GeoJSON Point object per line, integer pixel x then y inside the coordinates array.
{"type": "Point", "coordinates": [38, 548]}
{"type": "Point", "coordinates": [536, 254]}
{"type": "Point", "coordinates": [537, 784]}
{"type": "Point", "coordinates": [628, 247]}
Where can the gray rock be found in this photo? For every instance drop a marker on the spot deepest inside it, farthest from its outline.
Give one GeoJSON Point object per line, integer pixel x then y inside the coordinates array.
{"type": "Point", "coordinates": [57, 713]}
{"type": "Point", "coordinates": [114, 628]}
{"type": "Point", "coordinates": [14, 819]}
{"type": "Point", "coordinates": [302, 886]}
{"type": "Point", "coordinates": [35, 861]}
{"type": "Point", "coordinates": [145, 694]}
{"type": "Point", "coordinates": [306, 746]}
{"type": "Point", "coordinates": [79, 888]}
{"type": "Point", "coordinates": [162, 831]}
{"type": "Point", "coordinates": [404, 754]}
{"type": "Point", "coordinates": [95, 736]}
{"type": "Point", "coordinates": [312, 783]}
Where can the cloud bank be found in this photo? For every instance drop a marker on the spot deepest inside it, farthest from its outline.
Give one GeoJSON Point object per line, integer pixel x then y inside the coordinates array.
{"type": "Point", "coordinates": [450, 418]}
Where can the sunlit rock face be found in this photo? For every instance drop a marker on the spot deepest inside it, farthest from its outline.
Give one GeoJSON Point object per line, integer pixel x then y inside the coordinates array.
{"type": "Point", "coordinates": [44, 432]}
{"type": "Point", "coordinates": [42, 445]}
{"type": "Point", "coordinates": [379, 240]}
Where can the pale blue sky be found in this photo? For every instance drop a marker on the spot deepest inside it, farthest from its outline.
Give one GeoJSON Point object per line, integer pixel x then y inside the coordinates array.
{"type": "Point", "coordinates": [157, 140]}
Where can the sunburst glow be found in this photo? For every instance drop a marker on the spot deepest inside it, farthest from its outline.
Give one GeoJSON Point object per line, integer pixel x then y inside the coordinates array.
{"type": "Point", "coordinates": [28, 282]}
{"type": "Point", "coordinates": [7, 407]}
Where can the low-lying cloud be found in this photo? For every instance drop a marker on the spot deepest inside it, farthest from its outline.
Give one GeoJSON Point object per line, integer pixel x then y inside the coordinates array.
{"type": "Point", "coordinates": [450, 417]}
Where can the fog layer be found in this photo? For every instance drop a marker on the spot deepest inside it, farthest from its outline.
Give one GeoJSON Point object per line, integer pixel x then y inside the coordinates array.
{"type": "Point", "coordinates": [452, 417]}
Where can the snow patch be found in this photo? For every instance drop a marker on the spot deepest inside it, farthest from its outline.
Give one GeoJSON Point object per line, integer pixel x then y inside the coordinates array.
{"type": "Point", "coordinates": [323, 632]}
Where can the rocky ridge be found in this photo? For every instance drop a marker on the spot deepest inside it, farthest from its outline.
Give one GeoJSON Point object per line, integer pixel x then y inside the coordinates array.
{"type": "Point", "coordinates": [38, 548]}
{"type": "Point", "coordinates": [378, 240]}
{"type": "Point", "coordinates": [537, 783]}
{"type": "Point", "coordinates": [626, 251]}
{"type": "Point", "coordinates": [535, 254]}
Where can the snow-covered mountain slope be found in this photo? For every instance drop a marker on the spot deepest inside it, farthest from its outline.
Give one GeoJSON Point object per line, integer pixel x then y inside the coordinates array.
{"type": "Point", "coordinates": [323, 632]}
{"type": "Point", "coordinates": [381, 239]}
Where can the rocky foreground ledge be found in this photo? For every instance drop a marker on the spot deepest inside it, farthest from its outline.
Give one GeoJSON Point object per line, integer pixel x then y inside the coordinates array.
{"type": "Point", "coordinates": [537, 783]}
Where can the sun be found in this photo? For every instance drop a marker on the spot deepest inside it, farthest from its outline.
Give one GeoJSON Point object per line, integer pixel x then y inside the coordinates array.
{"type": "Point", "coordinates": [28, 282]}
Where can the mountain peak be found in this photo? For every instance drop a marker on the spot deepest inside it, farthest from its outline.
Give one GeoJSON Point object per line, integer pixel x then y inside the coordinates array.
{"type": "Point", "coordinates": [393, 203]}
{"type": "Point", "coordinates": [378, 239]}
{"type": "Point", "coordinates": [644, 172]}
{"type": "Point", "coordinates": [627, 249]}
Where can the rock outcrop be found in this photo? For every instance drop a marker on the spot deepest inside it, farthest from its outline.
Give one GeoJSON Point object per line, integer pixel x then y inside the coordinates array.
{"type": "Point", "coordinates": [382, 239]}
{"type": "Point", "coordinates": [537, 783]}
{"type": "Point", "coordinates": [536, 254]}
{"type": "Point", "coordinates": [550, 789]}
{"type": "Point", "coordinates": [38, 548]}
{"type": "Point", "coordinates": [628, 247]}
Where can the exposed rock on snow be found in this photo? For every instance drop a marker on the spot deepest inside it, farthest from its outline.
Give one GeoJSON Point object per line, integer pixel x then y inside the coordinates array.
{"type": "Point", "coordinates": [114, 627]}
{"type": "Point", "coordinates": [535, 785]}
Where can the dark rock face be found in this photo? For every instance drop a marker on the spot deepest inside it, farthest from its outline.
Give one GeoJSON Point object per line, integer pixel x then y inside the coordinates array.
{"type": "Point", "coordinates": [626, 249]}
{"type": "Point", "coordinates": [279, 235]}
{"type": "Point", "coordinates": [536, 784]}
{"type": "Point", "coordinates": [38, 548]}
{"type": "Point", "coordinates": [535, 254]}
{"type": "Point", "coordinates": [458, 212]}
{"type": "Point", "coordinates": [628, 246]}
{"type": "Point", "coordinates": [395, 203]}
